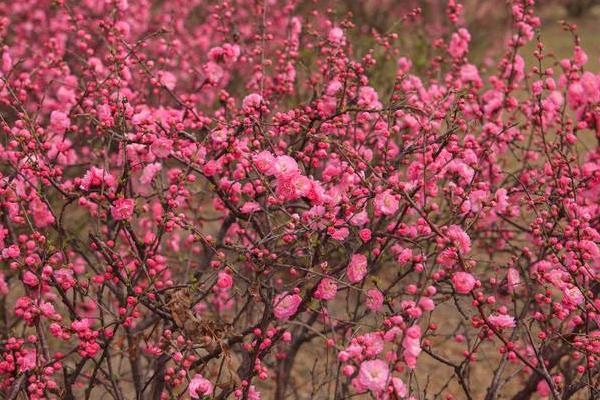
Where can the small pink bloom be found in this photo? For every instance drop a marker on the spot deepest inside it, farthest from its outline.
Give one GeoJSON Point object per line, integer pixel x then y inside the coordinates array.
{"type": "Point", "coordinates": [167, 79]}
{"type": "Point", "coordinates": [200, 387]}
{"type": "Point", "coordinates": [386, 203]}
{"type": "Point", "coordinates": [501, 321]}
{"type": "Point", "coordinates": [28, 360]}
{"type": "Point", "coordinates": [399, 387]}
{"type": "Point", "coordinates": [30, 279]}
{"type": "Point", "coordinates": [365, 234]}
{"type": "Point", "coordinates": [285, 167]}
{"type": "Point", "coordinates": [250, 207]}
{"type": "Point", "coordinates": [214, 72]}
{"type": "Point", "coordinates": [357, 269]}
{"type": "Point", "coordinates": [326, 290]}
{"type": "Point", "coordinates": [162, 147]}
{"type": "Point", "coordinates": [224, 280]}
{"type": "Point", "coordinates": [96, 177]}
{"type": "Point", "coordinates": [412, 345]}
{"type": "Point", "coordinates": [469, 73]}
{"type": "Point", "coordinates": [149, 172]}
{"type": "Point", "coordinates": [374, 375]}
{"type": "Point", "coordinates": [463, 282]}
{"type": "Point", "coordinates": [3, 284]}
{"type": "Point", "coordinates": [59, 121]}
{"type": "Point", "coordinates": [340, 234]}
{"type": "Point", "coordinates": [286, 305]}
{"type": "Point", "coordinates": [252, 101]}
{"type": "Point", "coordinates": [374, 300]}
{"type": "Point", "coordinates": [336, 36]}
{"type": "Point", "coordinates": [264, 162]}
{"type": "Point", "coordinates": [459, 238]}
{"type": "Point", "coordinates": [122, 209]}
{"type": "Point", "coordinates": [543, 389]}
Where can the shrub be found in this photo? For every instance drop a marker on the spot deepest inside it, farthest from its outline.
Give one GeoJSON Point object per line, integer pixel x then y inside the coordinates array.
{"type": "Point", "coordinates": [211, 199]}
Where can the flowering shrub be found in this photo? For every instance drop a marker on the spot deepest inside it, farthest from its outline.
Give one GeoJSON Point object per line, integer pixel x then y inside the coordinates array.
{"type": "Point", "coordinates": [239, 199]}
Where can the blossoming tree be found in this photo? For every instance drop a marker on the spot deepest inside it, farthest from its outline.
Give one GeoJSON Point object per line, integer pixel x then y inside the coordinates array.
{"type": "Point", "coordinates": [236, 199]}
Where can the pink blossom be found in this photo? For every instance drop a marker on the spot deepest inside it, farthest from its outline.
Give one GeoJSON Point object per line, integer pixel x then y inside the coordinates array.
{"type": "Point", "coordinates": [167, 79]}
{"type": "Point", "coordinates": [469, 73]}
{"type": "Point", "coordinates": [252, 101]}
{"type": "Point", "coordinates": [199, 387]}
{"type": "Point", "coordinates": [513, 279]}
{"type": "Point", "coordinates": [386, 203]}
{"type": "Point", "coordinates": [357, 268]}
{"type": "Point", "coordinates": [122, 209]}
{"type": "Point", "coordinates": [28, 360]}
{"type": "Point", "coordinates": [326, 289]}
{"type": "Point", "coordinates": [501, 321]}
{"type": "Point", "coordinates": [285, 167]}
{"type": "Point", "coordinates": [150, 172]}
{"type": "Point", "coordinates": [264, 162]}
{"type": "Point", "coordinates": [412, 345]}
{"type": "Point", "coordinates": [59, 121]}
{"type": "Point", "coordinates": [162, 147]}
{"type": "Point", "coordinates": [460, 238]}
{"type": "Point", "coordinates": [214, 72]}
{"type": "Point", "coordinates": [336, 36]}
{"type": "Point", "coordinates": [286, 305]}
{"type": "Point", "coordinates": [463, 282]}
{"type": "Point", "coordinates": [374, 300]}
{"type": "Point", "coordinates": [30, 279]}
{"type": "Point", "coordinates": [224, 280]}
{"type": "Point", "coordinates": [374, 375]}
{"type": "Point", "coordinates": [94, 178]}
{"type": "Point", "coordinates": [399, 387]}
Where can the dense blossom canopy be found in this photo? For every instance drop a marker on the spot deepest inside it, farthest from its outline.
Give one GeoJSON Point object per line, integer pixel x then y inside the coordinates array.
{"type": "Point", "coordinates": [273, 199]}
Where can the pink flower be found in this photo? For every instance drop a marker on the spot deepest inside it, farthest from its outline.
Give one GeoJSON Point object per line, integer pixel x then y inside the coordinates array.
{"type": "Point", "coordinates": [543, 389]}
{"type": "Point", "coordinates": [161, 147]}
{"type": "Point", "coordinates": [463, 282]}
{"type": "Point", "coordinates": [30, 279]}
{"type": "Point", "coordinates": [122, 209]}
{"type": "Point", "coordinates": [250, 207]}
{"type": "Point", "coordinates": [501, 321]}
{"type": "Point", "coordinates": [59, 121]}
{"type": "Point", "coordinates": [469, 73]}
{"type": "Point", "coordinates": [365, 234]}
{"type": "Point", "coordinates": [224, 280]}
{"type": "Point", "coordinates": [326, 290]}
{"type": "Point", "coordinates": [374, 300]}
{"type": "Point", "coordinates": [264, 162]}
{"type": "Point", "coordinates": [149, 172]}
{"type": "Point", "coordinates": [27, 361]}
{"type": "Point", "coordinates": [373, 375]}
{"type": "Point", "coordinates": [412, 345]}
{"type": "Point", "coordinates": [200, 387]}
{"type": "Point", "coordinates": [368, 98]}
{"type": "Point", "coordinates": [336, 36]}
{"type": "Point", "coordinates": [167, 79]}
{"type": "Point", "coordinates": [386, 203]}
{"type": "Point", "coordinates": [285, 167]}
{"type": "Point", "coordinates": [399, 387]}
{"type": "Point", "coordinates": [214, 72]}
{"type": "Point", "coordinates": [459, 238]}
{"type": "Point", "coordinates": [340, 234]}
{"type": "Point", "coordinates": [95, 178]}
{"type": "Point", "coordinates": [357, 269]}
{"type": "Point", "coordinates": [252, 101]}
{"type": "Point", "coordinates": [286, 305]}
